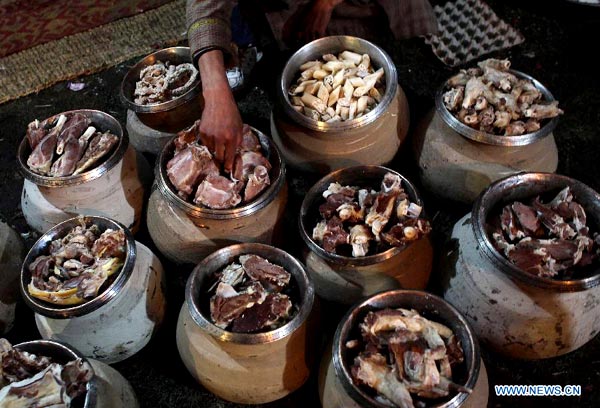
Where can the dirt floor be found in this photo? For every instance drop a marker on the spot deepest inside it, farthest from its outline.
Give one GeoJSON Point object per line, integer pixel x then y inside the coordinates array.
{"type": "Point", "coordinates": [559, 39]}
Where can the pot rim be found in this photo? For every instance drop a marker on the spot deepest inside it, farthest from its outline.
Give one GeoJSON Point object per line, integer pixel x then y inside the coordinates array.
{"type": "Point", "coordinates": [264, 198]}
{"type": "Point", "coordinates": [54, 346]}
{"type": "Point", "coordinates": [322, 185]}
{"type": "Point", "coordinates": [39, 248]}
{"type": "Point", "coordinates": [393, 299]}
{"type": "Point", "coordinates": [489, 138]}
{"type": "Point", "coordinates": [101, 119]}
{"type": "Point", "coordinates": [334, 42]}
{"type": "Point", "coordinates": [485, 202]}
{"type": "Point", "coordinates": [133, 75]}
{"type": "Point", "coordinates": [229, 253]}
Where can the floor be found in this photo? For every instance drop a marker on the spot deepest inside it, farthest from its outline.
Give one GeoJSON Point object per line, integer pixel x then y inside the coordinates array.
{"type": "Point", "coordinates": [559, 39]}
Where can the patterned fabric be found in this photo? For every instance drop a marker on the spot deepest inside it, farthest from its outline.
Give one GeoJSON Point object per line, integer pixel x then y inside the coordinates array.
{"type": "Point", "coordinates": [468, 30]}
{"type": "Point", "coordinates": [209, 24]}
{"type": "Point", "coordinates": [25, 23]}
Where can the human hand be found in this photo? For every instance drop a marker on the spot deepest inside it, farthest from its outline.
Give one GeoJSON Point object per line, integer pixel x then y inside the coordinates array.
{"type": "Point", "coordinates": [221, 124]}
{"type": "Point", "coordinates": [315, 21]}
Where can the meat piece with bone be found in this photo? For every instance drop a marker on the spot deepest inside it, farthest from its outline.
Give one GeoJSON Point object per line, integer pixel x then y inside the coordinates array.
{"type": "Point", "coordinates": [190, 166]}
{"type": "Point", "coordinates": [360, 235]}
{"type": "Point", "coordinates": [245, 163]}
{"type": "Point", "coordinates": [99, 146]}
{"type": "Point", "coordinates": [74, 127]}
{"type": "Point", "coordinates": [218, 192]}
{"type": "Point", "coordinates": [227, 304]}
{"type": "Point", "coordinates": [40, 159]}
{"type": "Point", "coordinates": [379, 214]}
{"type": "Point", "coordinates": [270, 275]}
{"type": "Point", "coordinates": [257, 182]}
{"type": "Point", "coordinates": [74, 148]}
{"type": "Point", "coordinates": [250, 142]}
{"type": "Point", "coordinates": [274, 309]}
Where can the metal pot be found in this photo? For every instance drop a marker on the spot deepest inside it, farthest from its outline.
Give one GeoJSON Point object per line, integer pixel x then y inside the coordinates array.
{"type": "Point", "coordinates": [337, 389]}
{"type": "Point", "coordinates": [517, 313]}
{"type": "Point", "coordinates": [114, 189]}
{"type": "Point", "coordinates": [459, 162]}
{"type": "Point", "coordinates": [347, 279]}
{"type": "Point", "coordinates": [106, 389]}
{"type": "Point", "coordinates": [322, 147]}
{"type": "Point", "coordinates": [185, 232]}
{"type": "Point", "coordinates": [170, 116]}
{"type": "Point", "coordinates": [240, 367]}
{"type": "Point", "coordinates": [11, 257]}
{"type": "Point", "coordinates": [118, 322]}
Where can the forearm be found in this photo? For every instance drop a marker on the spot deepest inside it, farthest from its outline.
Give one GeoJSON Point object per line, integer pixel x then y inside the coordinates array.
{"type": "Point", "coordinates": [209, 26]}
{"type": "Point", "coordinates": [212, 71]}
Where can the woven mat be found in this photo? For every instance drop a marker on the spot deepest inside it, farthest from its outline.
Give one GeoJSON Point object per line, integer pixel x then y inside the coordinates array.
{"type": "Point", "coordinates": [39, 67]}
{"type": "Point", "coordinates": [468, 30]}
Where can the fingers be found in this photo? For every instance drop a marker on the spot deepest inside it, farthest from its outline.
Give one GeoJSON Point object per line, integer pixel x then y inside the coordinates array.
{"type": "Point", "coordinates": [220, 151]}
{"type": "Point", "coordinates": [230, 152]}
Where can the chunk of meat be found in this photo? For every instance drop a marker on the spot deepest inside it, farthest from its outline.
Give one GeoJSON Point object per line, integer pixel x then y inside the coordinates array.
{"type": "Point", "coordinates": [187, 137]}
{"type": "Point", "coordinates": [100, 145]}
{"type": "Point", "coordinates": [227, 304]}
{"type": "Point", "coordinates": [509, 224]}
{"type": "Point", "coordinates": [245, 163]}
{"type": "Point", "coordinates": [189, 167]}
{"type": "Point", "coordinates": [360, 235]}
{"type": "Point", "coordinates": [110, 244]}
{"type": "Point", "coordinates": [74, 148]}
{"type": "Point", "coordinates": [250, 142]}
{"type": "Point", "coordinates": [40, 159]}
{"type": "Point", "coordinates": [74, 127]}
{"type": "Point", "coordinates": [334, 235]}
{"type": "Point", "coordinates": [275, 309]}
{"type": "Point", "coordinates": [258, 181]}
{"type": "Point", "coordinates": [334, 201]}
{"type": "Point", "coordinates": [270, 275]}
{"type": "Point", "coordinates": [379, 214]}
{"type": "Point", "coordinates": [527, 218]}
{"type": "Point", "coordinates": [218, 192]}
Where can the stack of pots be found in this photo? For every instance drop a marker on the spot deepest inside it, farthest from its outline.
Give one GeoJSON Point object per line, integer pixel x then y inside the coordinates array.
{"type": "Point", "coordinates": [150, 127]}
{"type": "Point", "coordinates": [458, 162]}
{"type": "Point", "coordinates": [336, 387]}
{"type": "Point", "coordinates": [345, 279]}
{"type": "Point", "coordinates": [118, 322]}
{"type": "Point", "coordinates": [187, 233]}
{"type": "Point", "coordinates": [517, 313]}
{"type": "Point", "coordinates": [11, 256]}
{"type": "Point", "coordinates": [106, 389]}
{"type": "Point", "coordinates": [246, 368]}
{"type": "Point", "coordinates": [113, 189]}
{"type": "Point", "coordinates": [320, 147]}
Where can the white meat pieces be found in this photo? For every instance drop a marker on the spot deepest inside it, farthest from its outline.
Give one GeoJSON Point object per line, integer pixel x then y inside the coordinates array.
{"type": "Point", "coordinates": [193, 167]}
{"type": "Point", "coordinates": [77, 265]}
{"type": "Point", "coordinates": [250, 296]}
{"type": "Point", "coordinates": [368, 221]}
{"type": "Point", "coordinates": [402, 354]}
{"type": "Point", "coordinates": [164, 81]}
{"type": "Point", "coordinates": [491, 99]}
{"type": "Point", "coordinates": [28, 380]}
{"type": "Point", "coordinates": [546, 239]}
{"type": "Point", "coordinates": [337, 88]}
{"type": "Point", "coordinates": [66, 145]}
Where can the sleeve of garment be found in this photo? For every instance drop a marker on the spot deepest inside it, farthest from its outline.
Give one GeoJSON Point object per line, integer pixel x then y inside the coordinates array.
{"type": "Point", "coordinates": [409, 18]}
{"type": "Point", "coordinates": [209, 26]}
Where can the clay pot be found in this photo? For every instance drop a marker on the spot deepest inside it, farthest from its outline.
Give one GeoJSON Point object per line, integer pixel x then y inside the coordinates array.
{"type": "Point", "coordinates": [457, 162]}
{"type": "Point", "coordinates": [336, 388]}
{"type": "Point", "coordinates": [11, 257]}
{"type": "Point", "coordinates": [320, 147]}
{"type": "Point", "coordinates": [106, 389]}
{"type": "Point", "coordinates": [514, 312]}
{"type": "Point", "coordinates": [186, 233]}
{"type": "Point", "coordinates": [345, 279]}
{"type": "Point", "coordinates": [117, 323]}
{"type": "Point", "coordinates": [240, 367]}
{"type": "Point", "coordinates": [114, 189]}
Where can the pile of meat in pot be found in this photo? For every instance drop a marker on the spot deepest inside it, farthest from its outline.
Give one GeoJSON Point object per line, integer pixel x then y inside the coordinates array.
{"type": "Point", "coordinates": [549, 239]}
{"type": "Point", "coordinates": [164, 81]}
{"type": "Point", "coordinates": [77, 265]}
{"type": "Point", "coordinates": [194, 171]}
{"type": "Point", "coordinates": [67, 145]}
{"type": "Point", "coordinates": [29, 380]}
{"type": "Point", "coordinates": [368, 220]}
{"type": "Point", "coordinates": [405, 358]}
{"type": "Point", "coordinates": [337, 88]}
{"type": "Point", "coordinates": [492, 99]}
{"type": "Point", "coordinates": [251, 296]}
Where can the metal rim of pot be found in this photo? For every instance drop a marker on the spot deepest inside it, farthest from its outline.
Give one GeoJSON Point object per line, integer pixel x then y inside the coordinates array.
{"type": "Point", "coordinates": [349, 176]}
{"type": "Point", "coordinates": [528, 185]}
{"type": "Point", "coordinates": [489, 138]}
{"type": "Point", "coordinates": [176, 55]}
{"type": "Point", "coordinates": [59, 352]}
{"type": "Point", "coordinates": [224, 256]}
{"type": "Point", "coordinates": [333, 44]}
{"type": "Point", "coordinates": [60, 230]}
{"type": "Point", "coordinates": [410, 299]}
{"type": "Point", "coordinates": [277, 175]}
{"type": "Point", "coordinates": [104, 122]}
